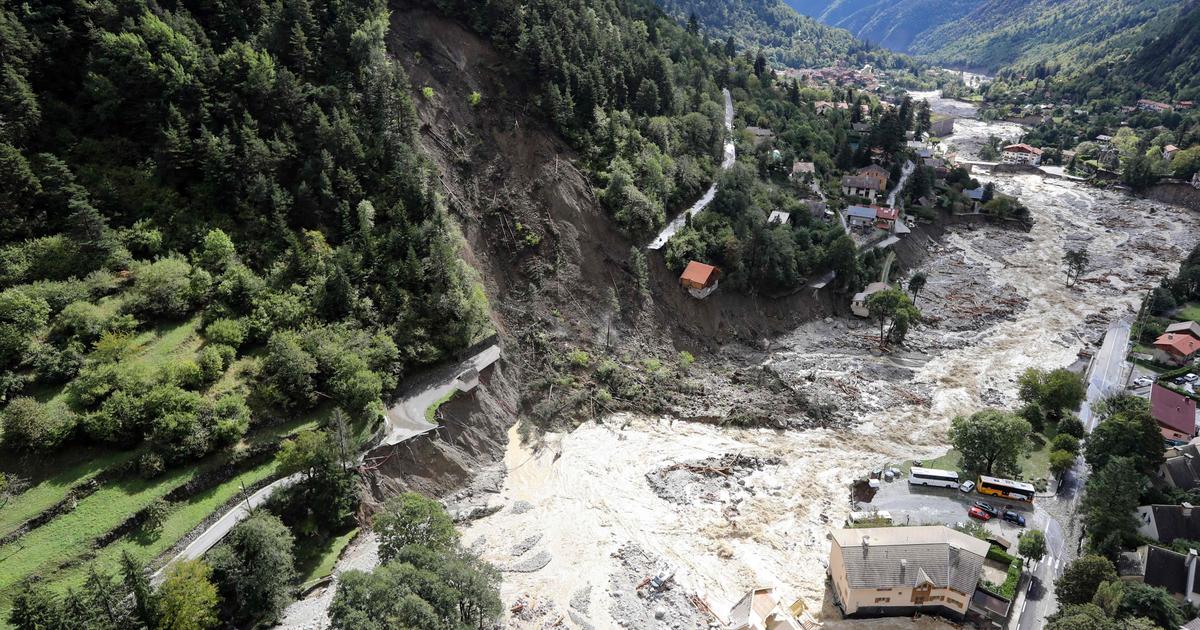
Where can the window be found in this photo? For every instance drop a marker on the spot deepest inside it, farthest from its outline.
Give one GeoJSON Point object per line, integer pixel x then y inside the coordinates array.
{"type": "Point", "coordinates": [882, 600]}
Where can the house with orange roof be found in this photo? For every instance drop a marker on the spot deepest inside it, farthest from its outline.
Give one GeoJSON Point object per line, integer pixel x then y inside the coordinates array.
{"type": "Point", "coordinates": [700, 279]}
{"type": "Point", "coordinates": [1176, 348]}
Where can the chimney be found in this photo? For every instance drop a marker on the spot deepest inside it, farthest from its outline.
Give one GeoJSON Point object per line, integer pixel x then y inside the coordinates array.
{"type": "Point", "coordinates": [903, 568]}
{"type": "Point", "coordinates": [1191, 573]}
{"type": "Point", "coordinates": [866, 544]}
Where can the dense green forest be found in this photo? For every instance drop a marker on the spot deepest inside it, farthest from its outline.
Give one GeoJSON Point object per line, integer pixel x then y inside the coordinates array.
{"type": "Point", "coordinates": [255, 168]}
{"type": "Point", "coordinates": [782, 35]}
{"type": "Point", "coordinates": [993, 34]}
{"type": "Point", "coordinates": [1156, 59]}
{"type": "Point", "coordinates": [218, 229]}
{"type": "Point", "coordinates": [894, 24]}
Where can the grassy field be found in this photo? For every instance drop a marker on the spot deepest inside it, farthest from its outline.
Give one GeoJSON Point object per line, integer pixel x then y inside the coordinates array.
{"type": "Point", "coordinates": [1189, 311]}
{"type": "Point", "coordinates": [1034, 465]}
{"type": "Point", "coordinates": [64, 474]}
{"type": "Point", "coordinates": [183, 518]}
{"type": "Point", "coordinates": [314, 564]}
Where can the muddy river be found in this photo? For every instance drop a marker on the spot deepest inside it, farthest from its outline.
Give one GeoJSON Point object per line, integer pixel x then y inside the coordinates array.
{"type": "Point", "coordinates": [997, 305]}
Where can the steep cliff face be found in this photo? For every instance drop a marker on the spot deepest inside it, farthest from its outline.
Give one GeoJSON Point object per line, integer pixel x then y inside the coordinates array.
{"type": "Point", "coordinates": [557, 271]}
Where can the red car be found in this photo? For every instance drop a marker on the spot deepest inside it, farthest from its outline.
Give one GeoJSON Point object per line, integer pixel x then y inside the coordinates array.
{"type": "Point", "coordinates": [975, 512]}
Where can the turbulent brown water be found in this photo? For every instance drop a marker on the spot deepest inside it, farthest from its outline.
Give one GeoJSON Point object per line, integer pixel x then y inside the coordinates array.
{"type": "Point", "coordinates": [1000, 306]}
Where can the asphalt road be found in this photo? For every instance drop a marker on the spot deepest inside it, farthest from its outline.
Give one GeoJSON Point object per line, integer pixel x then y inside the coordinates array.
{"type": "Point", "coordinates": [702, 203]}
{"type": "Point", "coordinates": [406, 419]}
{"type": "Point", "coordinates": [1106, 377]}
{"type": "Point", "coordinates": [217, 531]}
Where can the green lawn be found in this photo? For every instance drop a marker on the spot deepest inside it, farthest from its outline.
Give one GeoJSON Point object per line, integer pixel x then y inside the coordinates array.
{"type": "Point", "coordinates": [1189, 311]}
{"type": "Point", "coordinates": [155, 347]}
{"type": "Point", "coordinates": [431, 412]}
{"type": "Point", "coordinates": [70, 536]}
{"type": "Point", "coordinates": [184, 517]}
{"type": "Point", "coordinates": [1034, 465]}
{"type": "Point", "coordinates": [46, 492]}
{"type": "Point", "coordinates": [316, 563]}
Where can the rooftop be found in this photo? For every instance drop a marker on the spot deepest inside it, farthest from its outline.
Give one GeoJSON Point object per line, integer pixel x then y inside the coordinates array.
{"type": "Point", "coordinates": [699, 273]}
{"type": "Point", "coordinates": [1173, 410]}
{"type": "Point", "coordinates": [1022, 148]}
{"type": "Point", "coordinates": [888, 557]}
{"type": "Point", "coordinates": [1179, 344]}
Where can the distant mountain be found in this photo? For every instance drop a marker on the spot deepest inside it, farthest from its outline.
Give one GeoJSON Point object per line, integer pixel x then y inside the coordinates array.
{"type": "Point", "coordinates": [988, 34]}
{"type": "Point", "coordinates": [782, 34]}
{"type": "Point", "coordinates": [1157, 59]}
{"type": "Point", "coordinates": [894, 24]}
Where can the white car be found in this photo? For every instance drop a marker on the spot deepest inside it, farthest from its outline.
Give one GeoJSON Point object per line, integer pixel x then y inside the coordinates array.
{"type": "Point", "coordinates": [966, 486]}
{"type": "Point", "coordinates": [1142, 381]}
{"type": "Point", "coordinates": [1191, 378]}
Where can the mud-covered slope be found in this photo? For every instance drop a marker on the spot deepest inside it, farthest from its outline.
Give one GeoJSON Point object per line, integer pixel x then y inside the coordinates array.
{"type": "Point", "coordinates": [552, 262]}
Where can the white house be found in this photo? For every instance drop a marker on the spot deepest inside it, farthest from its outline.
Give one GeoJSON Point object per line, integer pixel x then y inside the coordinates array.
{"type": "Point", "coordinates": [1021, 154]}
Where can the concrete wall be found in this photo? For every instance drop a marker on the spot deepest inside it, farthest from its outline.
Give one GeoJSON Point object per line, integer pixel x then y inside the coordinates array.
{"type": "Point", "coordinates": [1176, 193]}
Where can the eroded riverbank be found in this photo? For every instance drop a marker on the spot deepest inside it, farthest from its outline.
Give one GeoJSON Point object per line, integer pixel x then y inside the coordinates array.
{"type": "Point", "coordinates": [996, 305]}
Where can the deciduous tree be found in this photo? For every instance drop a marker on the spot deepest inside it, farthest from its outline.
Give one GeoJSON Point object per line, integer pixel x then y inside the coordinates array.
{"type": "Point", "coordinates": [1081, 578]}
{"type": "Point", "coordinates": [991, 441]}
{"type": "Point", "coordinates": [187, 598]}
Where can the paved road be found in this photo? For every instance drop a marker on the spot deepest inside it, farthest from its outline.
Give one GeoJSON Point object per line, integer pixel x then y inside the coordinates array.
{"type": "Point", "coordinates": [1106, 377]}
{"type": "Point", "coordinates": [702, 203]}
{"type": "Point", "coordinates": [406, 419]}
{"type": "Point", "coordinates": [1108, 369]}
{"type": "Point", "coordinates": [904, 173]}
{"type": "Point", "coordinates": [217, 531]}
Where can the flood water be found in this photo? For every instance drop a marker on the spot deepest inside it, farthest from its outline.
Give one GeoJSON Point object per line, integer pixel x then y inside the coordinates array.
{"type": "Point", "coordinates": [996, 303]}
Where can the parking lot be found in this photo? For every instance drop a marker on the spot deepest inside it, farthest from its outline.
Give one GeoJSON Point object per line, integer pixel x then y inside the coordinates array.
{"type": "Point", "coordinates": [921, 505]}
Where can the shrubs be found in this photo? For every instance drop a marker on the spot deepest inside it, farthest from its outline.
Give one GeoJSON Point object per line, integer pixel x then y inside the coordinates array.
{"type": "Point", "coordinates": [32, 426]}
{"type": "Point", "coordinates": [228, 332]}
{"type": "Point", "coordinates": [162, 288]}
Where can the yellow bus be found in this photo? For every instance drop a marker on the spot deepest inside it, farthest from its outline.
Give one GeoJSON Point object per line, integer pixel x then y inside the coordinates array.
{"type": "Point", "coordinates": [1006, 488]}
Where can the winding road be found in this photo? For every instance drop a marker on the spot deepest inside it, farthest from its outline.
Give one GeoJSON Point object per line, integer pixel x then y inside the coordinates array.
{"type": "Point", "coordinates": [403, 421]}
{"type": "Point", "coordinates": [702, 203]}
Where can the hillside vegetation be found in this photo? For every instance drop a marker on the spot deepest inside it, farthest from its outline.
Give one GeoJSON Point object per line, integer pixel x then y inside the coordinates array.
{"type": "Point", "coordinates": [783, 36]}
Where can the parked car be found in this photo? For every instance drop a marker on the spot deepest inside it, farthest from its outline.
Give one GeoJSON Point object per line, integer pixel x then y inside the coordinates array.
{"type": "Point", "coordinates": [967, 486]}
{"type": "Point", "coordinates": [975, 512]}
{"type": "Point", "coordinates": [1014, 518]}
{"type": "Point", "coordinates": [1190, 377]}
{"type": "Point", "coordinates": [987, 507]}
{"type": "Point", "coordinates": [1178, 380]}
{"type": "Point", "coordinates": [1142, 381]}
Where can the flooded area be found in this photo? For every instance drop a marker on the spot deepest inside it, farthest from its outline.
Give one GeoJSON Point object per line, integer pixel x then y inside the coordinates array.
{"type": "Point", "coordinates": [996, 304]}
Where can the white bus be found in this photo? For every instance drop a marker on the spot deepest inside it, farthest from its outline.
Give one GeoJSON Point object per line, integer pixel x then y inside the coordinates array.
{"type": "Point", "coordinates": [933, 477]}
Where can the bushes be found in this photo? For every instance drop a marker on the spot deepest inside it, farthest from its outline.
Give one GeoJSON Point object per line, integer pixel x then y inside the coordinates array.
{"type": "Point", "coordinates": [163, 288]}
{"type": "Point", "coordinates": [32, 426]}
{"type": "Point", "coordinates": [21, 315]}
{"type": "Point", "coordinates": [228, 332]}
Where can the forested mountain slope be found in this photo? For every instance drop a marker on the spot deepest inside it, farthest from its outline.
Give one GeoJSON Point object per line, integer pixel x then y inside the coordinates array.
{"type": "Point", "coordinates": [989, 34]}
{"type": "Point", "coordinates": [783, 35]}
{"type": "Point", "coordinates": [1000, 33]}
{"type": "Point", "coordinates": [1158, 60]}
{"type": "Point", "coordinates": [893, 24]}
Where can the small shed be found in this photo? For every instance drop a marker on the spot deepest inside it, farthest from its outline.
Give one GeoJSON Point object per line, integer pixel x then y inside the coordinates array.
{"type": "Point", "coordinates": [859, 304]}
{"type": "Point", "coordinates": [779, 217]}
{"type": "Point", "coordinates": [700, 279]}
